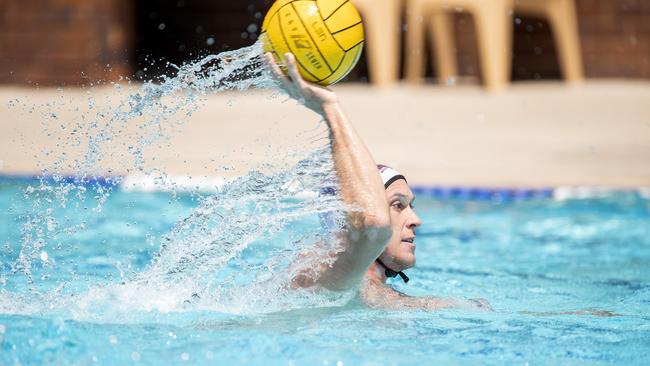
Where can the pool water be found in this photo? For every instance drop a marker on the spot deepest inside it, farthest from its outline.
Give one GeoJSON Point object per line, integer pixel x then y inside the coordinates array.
{"type": "Point", "coordinates": [532, 259]}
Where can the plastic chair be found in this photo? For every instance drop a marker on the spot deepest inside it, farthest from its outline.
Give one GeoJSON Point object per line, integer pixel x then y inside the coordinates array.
{"type": "Point", "coordinates": [493, 27]}
{"type": "Point", "coordinates": [561, 15]}
{"type": "Point", "coordinates": [494, 31]}
{"type": "Point", "coordinates": [381, 22]}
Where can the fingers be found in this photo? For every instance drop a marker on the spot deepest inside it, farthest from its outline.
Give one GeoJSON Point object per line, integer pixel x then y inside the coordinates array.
{"type": "Point", "coordinates": [270, 60]}
{"type": "Point", "coordinates": [277, 72]}
{"type": "Point", "coordinates": [293, 70]}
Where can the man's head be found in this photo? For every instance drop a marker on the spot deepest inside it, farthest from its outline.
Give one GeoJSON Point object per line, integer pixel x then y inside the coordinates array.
{"type": "Point", "coordinates": [400, 251]}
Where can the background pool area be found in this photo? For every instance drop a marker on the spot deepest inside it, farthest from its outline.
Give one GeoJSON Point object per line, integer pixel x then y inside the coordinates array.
{"type": "Point", "coordinates": [531, 255]}
{"type": "Point", "coordinates": [159, 190]}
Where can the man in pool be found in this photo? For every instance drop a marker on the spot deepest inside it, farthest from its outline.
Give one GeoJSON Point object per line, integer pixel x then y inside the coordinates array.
{"type": "Point", "coordinates": [381, 225]}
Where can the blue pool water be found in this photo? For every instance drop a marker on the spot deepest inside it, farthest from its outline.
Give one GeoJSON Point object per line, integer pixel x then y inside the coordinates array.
{"type": "Point", "coordinates": [93, 272]}
{"type": "Point", "coordinates": [77, 303]}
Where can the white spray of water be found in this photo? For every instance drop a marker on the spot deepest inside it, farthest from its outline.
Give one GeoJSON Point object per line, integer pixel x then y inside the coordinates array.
{"type": "Point", "coordinates": [194, 268]}
{"type": "Point", "coordinates": [154, 108]}
{"type": "Point", "coordinates": [202, 265]}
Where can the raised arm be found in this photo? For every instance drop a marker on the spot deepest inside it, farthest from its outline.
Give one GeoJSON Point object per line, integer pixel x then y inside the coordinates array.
{"type": "Point", "coordinates": [360, 186]}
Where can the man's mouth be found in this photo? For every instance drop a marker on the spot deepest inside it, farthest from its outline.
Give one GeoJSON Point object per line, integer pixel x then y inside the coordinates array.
{"type": "Point", "coordinates": [409, 240]}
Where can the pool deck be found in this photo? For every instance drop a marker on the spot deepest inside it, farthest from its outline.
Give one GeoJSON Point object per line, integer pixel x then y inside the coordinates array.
{"type": "Point", "coordinates": [535, 134]}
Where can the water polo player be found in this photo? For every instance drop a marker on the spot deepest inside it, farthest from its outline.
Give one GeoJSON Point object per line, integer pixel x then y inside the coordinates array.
{"type": "Point", "coordinates": [380, 238]}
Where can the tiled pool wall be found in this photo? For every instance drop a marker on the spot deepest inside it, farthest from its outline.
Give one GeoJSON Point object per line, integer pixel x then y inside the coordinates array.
{"type": "Point", "coordinates": [470, 193]}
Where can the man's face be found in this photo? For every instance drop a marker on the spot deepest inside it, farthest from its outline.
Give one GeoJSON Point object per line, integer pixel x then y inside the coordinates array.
{"type": "Point", "coordinates": [400, 251]}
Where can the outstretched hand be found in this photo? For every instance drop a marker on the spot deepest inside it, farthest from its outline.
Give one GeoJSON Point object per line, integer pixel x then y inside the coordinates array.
{"type": "Point", "coordinates": [313, 96]}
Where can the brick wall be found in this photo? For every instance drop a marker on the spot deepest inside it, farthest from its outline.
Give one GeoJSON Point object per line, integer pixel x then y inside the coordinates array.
{"type": "Point", "coordinates": [72, 41]}
{"type": "Point", "coordinates": [60, 42]}
{"type": "Point", "coordinates": [615, 40]}
{"type": "Point", "coordinates": [615, 37]}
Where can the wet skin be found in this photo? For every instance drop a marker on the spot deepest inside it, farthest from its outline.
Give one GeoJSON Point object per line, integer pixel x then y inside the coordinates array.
{"type": "Point", "coordinates": [400, 250]}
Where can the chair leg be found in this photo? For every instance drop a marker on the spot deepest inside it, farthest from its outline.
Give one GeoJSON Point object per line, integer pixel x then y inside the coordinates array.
{"type": "Point", "coordinates": [382, 36]}
{"type": "Point", "coordinates": [414, 52]}
{"type": "Point", "coordinates": [509, 39]}
{"type": "Point", "coordinates": [444, 51]}
{"type": "Point", "coordinates": [562, 17]}
{"type": "Point", "coordinates": [494, 26]}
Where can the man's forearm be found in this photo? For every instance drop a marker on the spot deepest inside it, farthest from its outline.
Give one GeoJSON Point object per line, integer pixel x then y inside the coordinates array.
{"type": "Point", "coordinates": [360, 184]}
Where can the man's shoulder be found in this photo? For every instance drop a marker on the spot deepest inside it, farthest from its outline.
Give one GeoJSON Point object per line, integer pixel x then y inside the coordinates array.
{"type": "Point", "coordinates": [379, 295]}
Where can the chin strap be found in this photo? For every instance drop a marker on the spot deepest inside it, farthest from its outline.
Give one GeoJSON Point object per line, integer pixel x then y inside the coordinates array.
{"type": "Point", "coordinates": [390, 273]}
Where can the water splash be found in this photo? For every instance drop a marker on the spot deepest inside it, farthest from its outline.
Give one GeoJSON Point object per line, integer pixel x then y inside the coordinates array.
{"type": "Point", "coordinates": [145, 116]}
{"type": "Point", "coordinates": [175, 98]}
{"type": "Point", "coordinates": [212, 256]}
{"type": "Point", "coordinates": [236, 252]}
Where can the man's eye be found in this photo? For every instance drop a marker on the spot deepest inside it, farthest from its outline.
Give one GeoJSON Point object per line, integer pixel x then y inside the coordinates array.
{"type": "Point", "coordinates": [398, 205]}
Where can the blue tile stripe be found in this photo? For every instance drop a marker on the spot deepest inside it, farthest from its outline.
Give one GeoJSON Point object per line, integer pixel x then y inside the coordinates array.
{"type": "Point", "coordinates": [106, 182]}
{"type": "Point", "coordinates": [481, 194]}
{"type": "Point", "coordinates": [435, 192]}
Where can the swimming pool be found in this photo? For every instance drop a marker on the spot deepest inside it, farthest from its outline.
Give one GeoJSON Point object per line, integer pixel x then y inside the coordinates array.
{"type": "Point", "coordinates": [525, 253]}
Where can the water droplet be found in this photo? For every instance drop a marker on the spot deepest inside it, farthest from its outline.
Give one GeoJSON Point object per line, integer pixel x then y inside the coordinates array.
{"type": "Point", "coordinates": [451, 81]}
{"type": "Point", "coordinates": [210, 41]}
{"type": "Point", "coordinates": [44, 256]}
{"type": "Point", "coordinates": [162, 26]}
{"type": "Point", "coordinates": [185, 356]}
{"type": "Point", "coordinates": [112, 339]}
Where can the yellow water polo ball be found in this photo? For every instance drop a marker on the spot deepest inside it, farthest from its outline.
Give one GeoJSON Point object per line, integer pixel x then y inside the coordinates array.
{"type": "Point", "coordinates": [326, 36]}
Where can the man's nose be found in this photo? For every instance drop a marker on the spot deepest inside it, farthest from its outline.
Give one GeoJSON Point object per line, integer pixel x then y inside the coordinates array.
{"type": "Point", "coordinates": [414, 220]}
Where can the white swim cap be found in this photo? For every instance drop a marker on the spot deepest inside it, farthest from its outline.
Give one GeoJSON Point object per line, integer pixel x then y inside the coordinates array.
{"type": "Point", "coordinates": [389, 175]}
